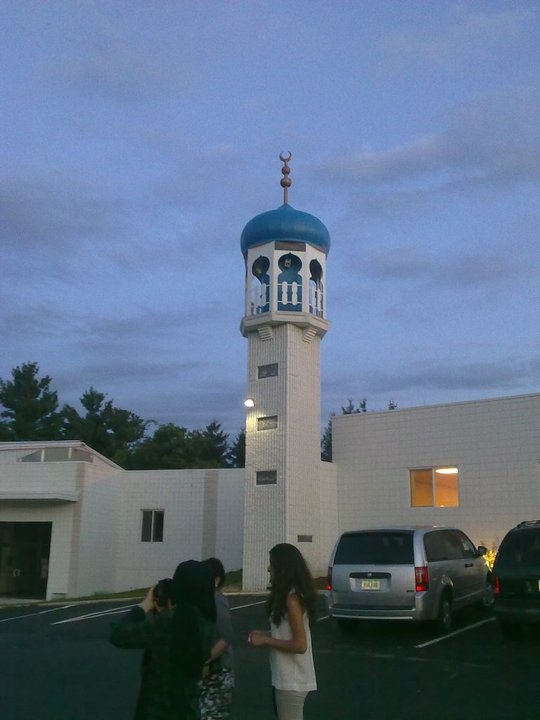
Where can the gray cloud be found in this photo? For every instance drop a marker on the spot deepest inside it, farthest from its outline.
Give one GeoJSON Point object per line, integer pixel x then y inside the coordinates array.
{"type": "Point", "coordinates": [442, 381]}
{"type": "Point", "coordinates": [504, 262]}
{"type": "Point", "coordinates": [43, 215]}
{"type": "Point", "coordinates": [452, 375]}
{"type": "Point", "coordinates": [491, 144]}
{"type": "Point", "coordinates": [189, 393]}
{"type": "Point", "coordinates": [468, 32]}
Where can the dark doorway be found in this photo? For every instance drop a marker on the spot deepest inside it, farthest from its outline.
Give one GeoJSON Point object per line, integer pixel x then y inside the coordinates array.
{"type": "Point", "coordinates": [24, 558]}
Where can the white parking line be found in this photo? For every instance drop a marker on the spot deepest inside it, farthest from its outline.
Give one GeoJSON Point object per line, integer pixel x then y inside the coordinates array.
{"type": "Point", "coordinates": [241, 607]}
{"type": "Point", "coordinates": [63, 607]}
{"type": "Point", "coordinates": [30, 615]}
{"type": "Point", "coordinates": [112, 611]}
{"type": "Point", "coordinates": [453, 634]}
{"type": "Point", "coordinates": [116, 611]}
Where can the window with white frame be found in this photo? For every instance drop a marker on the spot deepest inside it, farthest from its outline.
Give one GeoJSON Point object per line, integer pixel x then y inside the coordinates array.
{"type": "Point", "coordinates": [152, 525]}
{"type": "Point", "coordinates": [435, 487]}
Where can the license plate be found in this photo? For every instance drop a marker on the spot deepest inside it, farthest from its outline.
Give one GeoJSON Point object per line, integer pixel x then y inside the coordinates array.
{"type": "Point", "coordinates": [370, 584]}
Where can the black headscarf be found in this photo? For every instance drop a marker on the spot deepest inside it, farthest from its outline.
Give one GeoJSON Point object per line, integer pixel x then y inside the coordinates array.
{"type": "Point", "coordinates": [193, 592]}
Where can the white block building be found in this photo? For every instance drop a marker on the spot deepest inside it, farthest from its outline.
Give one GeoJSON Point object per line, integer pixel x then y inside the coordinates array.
{"type": "Point", "coordinates": [389, 466]}
{"type": "Point", "coordinates": [73, 523]}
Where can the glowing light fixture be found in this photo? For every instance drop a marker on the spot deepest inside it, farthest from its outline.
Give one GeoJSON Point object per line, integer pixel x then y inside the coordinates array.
{"type": "Point", "coordinates": [249, 402]}
{"type": "Point", "coordinates": [447, 471]}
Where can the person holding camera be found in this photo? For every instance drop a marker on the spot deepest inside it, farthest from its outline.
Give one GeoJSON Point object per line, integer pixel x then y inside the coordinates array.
{"type": "Point", "coordinates": [162, 599]}
{"type": "Point", "coordinates": [177, 632]}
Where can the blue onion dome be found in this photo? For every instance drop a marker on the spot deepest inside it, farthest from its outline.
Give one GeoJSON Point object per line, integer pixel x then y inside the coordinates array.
{"type": "Point", "coordinates": [285, 224]}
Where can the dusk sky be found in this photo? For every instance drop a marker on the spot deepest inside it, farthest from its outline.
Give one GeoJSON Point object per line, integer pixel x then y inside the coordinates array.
{"type": "Point", "coordinates": [138, 139]}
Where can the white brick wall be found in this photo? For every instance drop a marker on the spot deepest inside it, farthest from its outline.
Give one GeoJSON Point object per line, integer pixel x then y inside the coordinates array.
{"type": "Point", "coordinates": [61, 517]}
{"type": "Point", "coordinates": [99, 512]}
{"type": "Point", "coordinates": [61, 492]}
{"type": "Point", "coordinates": [290, 508]}
{"type": "Point", "coordinates": [181, 494]}
{"type": "Point", "coordinates": [96, 540]}
{"type": "Point", "coordinates": [96, 536]}
{"type": "Point", "coordinates": [494, 443]}
{"type": "Point", "coordinates": [328, 516]}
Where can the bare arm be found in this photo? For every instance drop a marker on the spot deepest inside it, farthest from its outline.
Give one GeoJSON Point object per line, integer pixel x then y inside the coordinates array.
{"type": "Point", "coordinates": [298, 642]}
{"type": "Point", "coordinates": [218, 649]}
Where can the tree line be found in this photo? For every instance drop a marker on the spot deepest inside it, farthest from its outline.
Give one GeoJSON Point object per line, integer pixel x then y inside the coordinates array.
{"type": "Point", "coordinates": [31, 411]}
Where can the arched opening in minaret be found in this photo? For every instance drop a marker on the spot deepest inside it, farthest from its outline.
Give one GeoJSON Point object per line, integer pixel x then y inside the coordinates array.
{"type": "Point", "coordinates": [260, 286]}
{"type": "Point", "coordinates": [289, 283]}
{"type": "Point", "coordinates": [316, 290]}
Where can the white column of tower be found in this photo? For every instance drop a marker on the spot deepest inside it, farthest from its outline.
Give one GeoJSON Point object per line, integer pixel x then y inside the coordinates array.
{"type": "Point", "coordinates": [285, 250]}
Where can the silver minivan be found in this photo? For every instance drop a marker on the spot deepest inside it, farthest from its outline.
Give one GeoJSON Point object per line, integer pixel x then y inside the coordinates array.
{"type": "Point", "coordinates": [406, 573]}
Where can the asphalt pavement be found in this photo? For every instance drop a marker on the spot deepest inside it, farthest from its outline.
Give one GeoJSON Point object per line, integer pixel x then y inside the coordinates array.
{"type": "Point", "coordinates": [56, 664]}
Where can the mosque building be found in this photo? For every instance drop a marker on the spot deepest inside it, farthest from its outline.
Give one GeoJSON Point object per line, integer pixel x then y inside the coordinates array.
{"type": "Point", "coordinates": [72, 523]}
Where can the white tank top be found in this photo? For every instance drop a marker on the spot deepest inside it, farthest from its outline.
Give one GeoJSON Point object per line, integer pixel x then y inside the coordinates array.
{"type": "Point", "coordinates": [292, 671]}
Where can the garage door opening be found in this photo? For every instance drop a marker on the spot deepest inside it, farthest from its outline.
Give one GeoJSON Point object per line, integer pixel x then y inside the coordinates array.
{"type": "Point", "coordinates": [24, 559]}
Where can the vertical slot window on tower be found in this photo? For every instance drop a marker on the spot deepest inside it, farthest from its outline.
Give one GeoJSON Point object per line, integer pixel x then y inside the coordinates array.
{"type": "Point", "coordinates": [266, 477]}
{"type": "Point", "coordinates": [152, 525]}
{"type": "Point", "coordinates": [260, 286]}
{"type": "Point", "coordinates": [267, 423]}
{"type": "Point", "coordinates": [265, 371]}
{"type": "Point", "coordinates": [316, 294]}
{"type": "Point", "coordinates": [289, 283]}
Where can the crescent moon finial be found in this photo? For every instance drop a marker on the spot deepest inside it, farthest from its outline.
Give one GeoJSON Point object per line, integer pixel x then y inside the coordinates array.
{"type": "Point", "coordinates": [285, 181]}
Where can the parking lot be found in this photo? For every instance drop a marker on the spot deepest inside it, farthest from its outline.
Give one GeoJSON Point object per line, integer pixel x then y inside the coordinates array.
{"type": "Point", "coordinates": [56, 664]}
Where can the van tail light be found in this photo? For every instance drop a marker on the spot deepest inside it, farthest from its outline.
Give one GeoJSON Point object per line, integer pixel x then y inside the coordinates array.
{"type": "Point", "coordinates": [329, 578]}
{"type": "Point", "coordinates": [421, 578]}
{"type": "Point", "coordinates": [496, 585]}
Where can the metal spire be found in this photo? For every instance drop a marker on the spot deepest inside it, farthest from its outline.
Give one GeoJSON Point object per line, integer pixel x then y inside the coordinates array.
{"type": "Point", "coordinates": [285, 181]}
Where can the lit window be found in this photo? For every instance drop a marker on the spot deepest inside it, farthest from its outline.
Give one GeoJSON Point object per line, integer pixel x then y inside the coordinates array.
{"type": "Point", "coordinates": [152, 525]}
{"type": "Point", "coordinates": [435, 487]}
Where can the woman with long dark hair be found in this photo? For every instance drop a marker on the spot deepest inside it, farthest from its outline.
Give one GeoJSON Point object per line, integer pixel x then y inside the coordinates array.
{"type": "Point", "coordinates": [291, 608]}
{"type": "Point", "coordinates": [177, 641]}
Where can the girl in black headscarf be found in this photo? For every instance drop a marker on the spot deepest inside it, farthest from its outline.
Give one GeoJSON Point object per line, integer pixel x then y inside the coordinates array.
{"type": "Point", "coordinates": [177, 640]}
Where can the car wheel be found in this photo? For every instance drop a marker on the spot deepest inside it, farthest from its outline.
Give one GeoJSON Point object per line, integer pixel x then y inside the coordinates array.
{"type": "Point", "coordinates": [346, 626]}
{"type": "Point", "coordinates": [444, 616]}
{"type": "Point", "coordinates": [487, 596]}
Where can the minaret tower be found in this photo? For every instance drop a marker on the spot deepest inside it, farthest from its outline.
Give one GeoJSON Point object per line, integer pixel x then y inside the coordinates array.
{"type": "Point", "coordinates": [284, 321]}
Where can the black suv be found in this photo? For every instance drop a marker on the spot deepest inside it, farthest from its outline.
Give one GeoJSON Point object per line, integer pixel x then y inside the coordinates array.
{"type": "Point", "coordinates": [516, 577]}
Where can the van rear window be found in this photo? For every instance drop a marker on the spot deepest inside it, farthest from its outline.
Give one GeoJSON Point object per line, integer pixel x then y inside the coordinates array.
{"type": "Point", "coordinates": [375, 548]}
